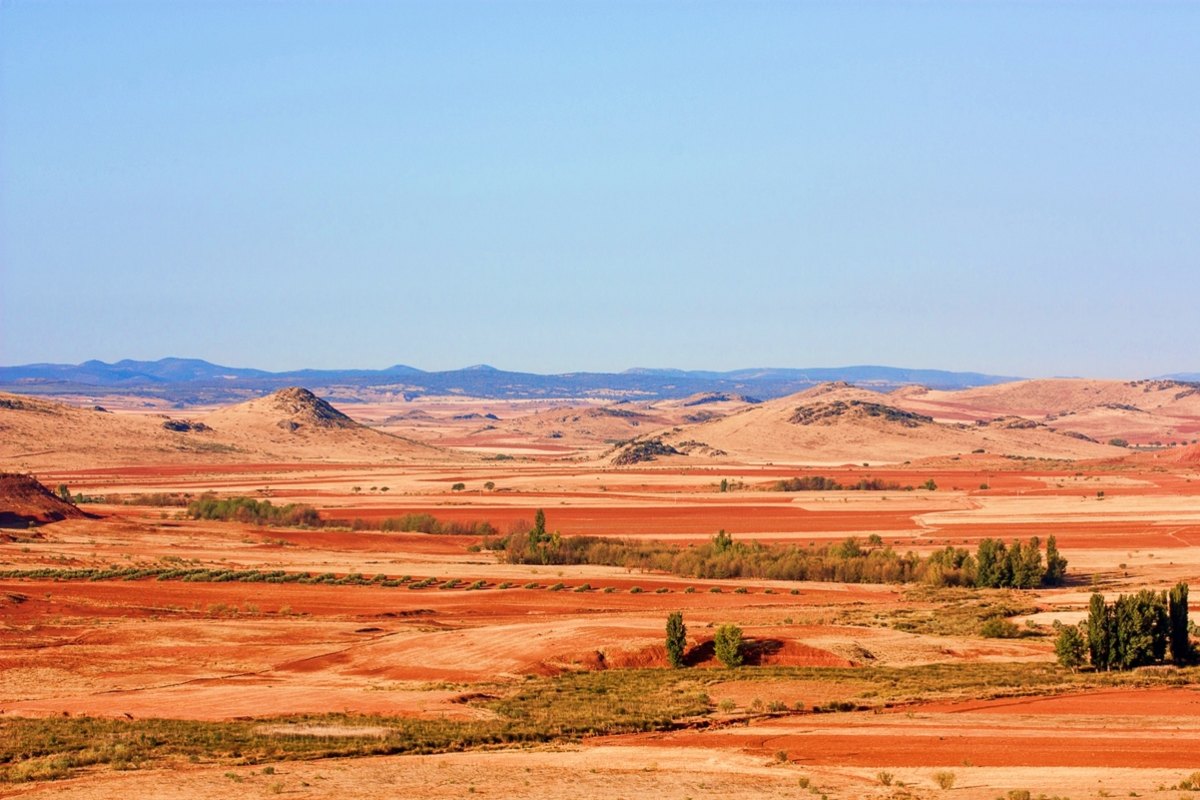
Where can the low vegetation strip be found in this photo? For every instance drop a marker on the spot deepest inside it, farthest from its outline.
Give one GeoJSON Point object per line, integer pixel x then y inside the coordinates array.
{"type": "Point", "coordinates": [819, 483]}
{"type": "Point", "coordinates": [257, 512]}
{"type": "Point", "coordinates": [994, 565]}
{"type": "Point", "coordinates": [299, 515]}
{"type": "Point", "coordinates": [421, 523]}
{"type": "Point", "coordinates": [1018, 567]}
{"type": "Point", "coordinates": [554, 709]}
{"type": "Point", "coordinates": [564, 708]}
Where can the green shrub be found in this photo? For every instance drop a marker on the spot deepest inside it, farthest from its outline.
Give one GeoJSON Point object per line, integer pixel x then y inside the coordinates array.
{"type": "Point", "coordinates": [1070, 648]}
{"type": "Point", "coordinates": [676, 639]}
{"type": "Point", "coordinates": [727, 644]}
{"type": "Point", "coordinates": [256, 512]}
{"type": "Point", "coordinates": [944, 779]}
{"type": "Point", "coordinates": [999, 628]}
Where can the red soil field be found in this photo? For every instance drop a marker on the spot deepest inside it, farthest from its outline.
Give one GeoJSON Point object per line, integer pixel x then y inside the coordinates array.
{"type": "Point", "coordinates": [1126, 728]}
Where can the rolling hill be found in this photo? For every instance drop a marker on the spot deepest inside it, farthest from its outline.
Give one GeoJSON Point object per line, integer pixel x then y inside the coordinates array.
{"type": "Point", "coordinates": [1140, 412]}
{"type": "Point", "coordinates": [291, 424]}
{"type": "Point", "coordinates": [839, 423]}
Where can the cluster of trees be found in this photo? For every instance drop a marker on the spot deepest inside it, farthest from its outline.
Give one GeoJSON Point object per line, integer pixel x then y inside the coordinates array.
{"type": "Point", "coordinates": [727, 642]}
{"type": "Point", "coordinates": [257, 512]}
{"type": "Point", "coordinates": [850, 561]}
{"type": "Point", "coordinates": [1132, 631]}
{"type": "Point", "coordinates": [538, 546]}
{"type": "Point", "coordinates": [1015, 566]}
{"type": "Point", "coordinates": [819, 483]}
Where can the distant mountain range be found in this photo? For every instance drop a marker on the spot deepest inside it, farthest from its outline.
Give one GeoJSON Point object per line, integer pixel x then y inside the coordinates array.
{"type": "Point", "coordinates": [189, 380]}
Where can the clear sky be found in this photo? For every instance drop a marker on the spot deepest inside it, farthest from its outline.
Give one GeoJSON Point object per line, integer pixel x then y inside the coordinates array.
{"type": "Point", "coordinates": [1003, 187]}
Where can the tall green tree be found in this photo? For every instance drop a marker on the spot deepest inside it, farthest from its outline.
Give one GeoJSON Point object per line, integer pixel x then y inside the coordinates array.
{"type": "Point", "coordinates": [728, 645]}
{"type": "Point", "coordinates": [676, 639]}
{"type": "Point", "coordinates": [1056, 565]}
{"type": "Point", "coordinates": [1139, 629]}
{"type": "Point", "coordinates": [988, 560]}
{"type": "Point", "coordinates": [1014, 564]}
{"type": "Point", "coordinates": [1028, 573]}
{"type": "Point", "coordinates": [1070, 647]}
{"type": "Point", "coordinates": [722, 542]}
{"type": "Point", "coordinates": [1099, 639]}
{"type": "Point", "coordinates": [1177, 612]}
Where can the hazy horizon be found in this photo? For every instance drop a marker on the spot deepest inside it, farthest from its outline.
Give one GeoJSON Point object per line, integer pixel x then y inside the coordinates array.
{"type": "Point", "coordinates": [636, 367]}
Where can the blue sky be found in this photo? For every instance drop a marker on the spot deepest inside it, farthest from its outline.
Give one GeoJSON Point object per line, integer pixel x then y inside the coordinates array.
{"type": "Point", "coordinates": [1010, 188]}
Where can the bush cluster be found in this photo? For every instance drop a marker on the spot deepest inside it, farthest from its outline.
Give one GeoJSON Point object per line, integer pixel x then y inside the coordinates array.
{"type": "Point", "coordinates": [257, 512]}
{"type": "Point", "coordinates": [427, 523]}
{"type": "Point", "coordinates": [263, 512]}
{"type": "Point", "coordinates": [819, 483]}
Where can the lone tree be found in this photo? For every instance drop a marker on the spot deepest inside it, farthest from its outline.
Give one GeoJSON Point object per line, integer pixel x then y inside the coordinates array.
{"type": "Point", "coordinates": [728, 645]}
{"type": "Point", "coordinates": [676, 639]}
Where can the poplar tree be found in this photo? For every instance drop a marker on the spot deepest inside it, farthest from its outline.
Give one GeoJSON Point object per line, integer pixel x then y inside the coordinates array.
{"type": "Point", "coordinates": [1177, 612]}
{"type": "Point", "coordinates": [728, 645]}
{"type": "Point", "coordinates": [1099, 633]}
{"type": "Point", "coordinates": [1056, 565]}
{"type": "Point", "coordinates": [676, 639]}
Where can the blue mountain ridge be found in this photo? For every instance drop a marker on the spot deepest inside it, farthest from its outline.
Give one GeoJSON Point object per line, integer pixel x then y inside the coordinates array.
{"type": "Point", "coordinates": [188, 380]}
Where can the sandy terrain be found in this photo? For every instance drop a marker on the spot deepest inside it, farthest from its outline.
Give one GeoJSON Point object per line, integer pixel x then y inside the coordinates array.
{"type": "Point", "coordinates": [834, 424]}
{"type": "Point", "coordinates": [1138, 411]}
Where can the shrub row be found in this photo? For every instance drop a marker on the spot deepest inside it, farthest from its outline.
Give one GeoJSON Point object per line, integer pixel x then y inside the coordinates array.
{"type": "Point", "coordinates": [994, 565]}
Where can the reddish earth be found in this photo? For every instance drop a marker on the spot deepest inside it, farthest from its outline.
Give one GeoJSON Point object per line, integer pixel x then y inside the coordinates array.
{"type": "Point", "coordinates": [1126, 728]}
{"type": "Point", "coordinates": [1120, 702]}
{"type": "Point", "coordinates": [218, 650]}
{"type": "Point", "coordinates": [25, 502]}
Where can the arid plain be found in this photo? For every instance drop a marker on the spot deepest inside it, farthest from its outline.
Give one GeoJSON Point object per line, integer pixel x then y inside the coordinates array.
{"type": "Point", "coordinates": [155, 654]}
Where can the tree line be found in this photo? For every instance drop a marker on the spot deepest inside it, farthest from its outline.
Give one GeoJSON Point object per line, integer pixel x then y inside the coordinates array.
{"type": "Point", "coordinates": [300, 515]}
{"type": "Point", "coordinates": [993, 565]}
